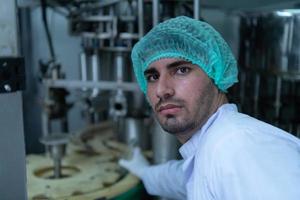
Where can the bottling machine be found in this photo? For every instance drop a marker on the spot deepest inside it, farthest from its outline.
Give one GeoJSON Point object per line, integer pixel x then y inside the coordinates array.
{"type": "Point", "coordinates": [82, 164]}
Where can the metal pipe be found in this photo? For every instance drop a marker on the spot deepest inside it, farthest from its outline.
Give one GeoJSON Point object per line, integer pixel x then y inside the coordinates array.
{"type": "Point", "coordinates": [120, 68]}
{"type": "Point", "coordinates": [128, 36]}
{"type": "Point", "coordinates": [102, 85]}
{"type": "Point", "coordinates": [140, 18]}
{"type": "Point", "coordinates": [95, 72]}
{"type": "Point", "coordinates": [101, 36]}
{"type": "Point", "coordinates": [114, 30]}
{"type": "Point", "coordinates": [57, 168]}
{"type": "Point", "coordinates": [256, 94]}
{"type": "Point", "coordinates": [45, 123]}
{"type": "Point", "coordinates": [197, 9]}
{"type": "Point", "coordinates": [111, 26]}
{"type": "Point", "coordinates": [277, 102]}
{"type": "Point", "coordinates": [155, 12]}
{"type": "Point", "coordinates": [45, 116]}
{"type": "Point", "coordinates": [129, 19]}
{"type": "Point", "coordinates": [101, 28]}
{"type": "Point", "coordinates": [56, 143]}
{"type": "Point", "coordinates": [83, 67]}
{"type": "Point", "coordinates": [99, 18]}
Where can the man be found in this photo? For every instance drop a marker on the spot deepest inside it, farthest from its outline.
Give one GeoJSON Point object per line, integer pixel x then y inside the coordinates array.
{"type": "Point", "coordinates": [185, 68]}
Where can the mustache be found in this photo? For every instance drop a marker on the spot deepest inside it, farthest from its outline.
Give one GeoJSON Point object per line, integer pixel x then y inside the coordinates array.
{"type": "Point", "coordinates": [174, 101]}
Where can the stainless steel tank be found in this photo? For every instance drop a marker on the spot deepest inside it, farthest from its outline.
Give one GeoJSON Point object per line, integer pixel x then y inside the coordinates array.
{"type": "Point", "coordinates": [165, 145]}
{"type": "Point", "coordinates": [136, 132]}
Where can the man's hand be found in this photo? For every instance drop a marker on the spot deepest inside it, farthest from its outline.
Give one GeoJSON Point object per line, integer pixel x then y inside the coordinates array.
{"type": "Point", "coordinates": [137, 164]}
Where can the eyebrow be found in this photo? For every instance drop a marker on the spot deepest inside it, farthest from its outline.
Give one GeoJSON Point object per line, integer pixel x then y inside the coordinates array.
{"type": "Point", "coordinates": [169, 66]}
{"type": "Point", "coordinates": [177, 63]}
{"type": "Point", "coordinates": [150, 71]}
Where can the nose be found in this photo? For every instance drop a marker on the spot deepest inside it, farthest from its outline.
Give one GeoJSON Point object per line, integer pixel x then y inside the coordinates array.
{"type": "Point", "coordinates": [165, 88]}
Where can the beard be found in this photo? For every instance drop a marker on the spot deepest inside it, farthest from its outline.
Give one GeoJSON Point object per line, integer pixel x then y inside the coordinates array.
{"type": "Point", "coordinates": [174, 126]}
{"type": "Point", "coordinates": [193, 117]}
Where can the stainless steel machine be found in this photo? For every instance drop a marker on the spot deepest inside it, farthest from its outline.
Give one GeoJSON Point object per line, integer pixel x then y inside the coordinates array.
{"type": "Point", "coordinates": [107, 88]}
{"type": "Point", "coordinates": [270, 66]}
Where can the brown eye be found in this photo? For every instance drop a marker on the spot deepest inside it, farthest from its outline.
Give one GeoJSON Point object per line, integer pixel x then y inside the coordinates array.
{"type": "Point", "coordinates": [152, 77]}
{"type": "Point", "coordinates": [182, 70]}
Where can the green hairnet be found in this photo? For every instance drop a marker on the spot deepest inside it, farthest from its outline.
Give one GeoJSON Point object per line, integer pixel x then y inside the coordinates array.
{"type": "Point", "coordinates": [189, 39]}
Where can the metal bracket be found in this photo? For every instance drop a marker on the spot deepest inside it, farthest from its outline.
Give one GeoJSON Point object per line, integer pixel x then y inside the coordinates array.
{"type": "Point", "coordinates": [12, 74]}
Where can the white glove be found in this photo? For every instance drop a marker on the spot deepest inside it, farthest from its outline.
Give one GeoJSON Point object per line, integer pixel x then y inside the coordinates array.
{"type": "Point", "coordinates": [138, 163]}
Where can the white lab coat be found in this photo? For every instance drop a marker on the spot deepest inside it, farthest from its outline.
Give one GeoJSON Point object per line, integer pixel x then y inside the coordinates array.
{"type": "Point", "coordinates": [232, 157]}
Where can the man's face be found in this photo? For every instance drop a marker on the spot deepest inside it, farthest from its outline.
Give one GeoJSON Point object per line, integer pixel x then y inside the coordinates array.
{"type": "Point", "coordinates": [181, 95]}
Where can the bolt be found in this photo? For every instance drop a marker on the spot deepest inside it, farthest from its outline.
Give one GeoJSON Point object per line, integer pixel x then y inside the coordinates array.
{"type": "Point", "coordinates": [7, 88]}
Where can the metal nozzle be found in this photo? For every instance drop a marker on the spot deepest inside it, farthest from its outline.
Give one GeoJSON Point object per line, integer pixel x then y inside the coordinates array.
{"type": "Point", "coordinates": [56, 144]}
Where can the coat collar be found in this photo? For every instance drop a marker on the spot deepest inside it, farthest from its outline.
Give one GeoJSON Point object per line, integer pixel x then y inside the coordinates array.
{"type": "Point", "coordinates": [188, 149]}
